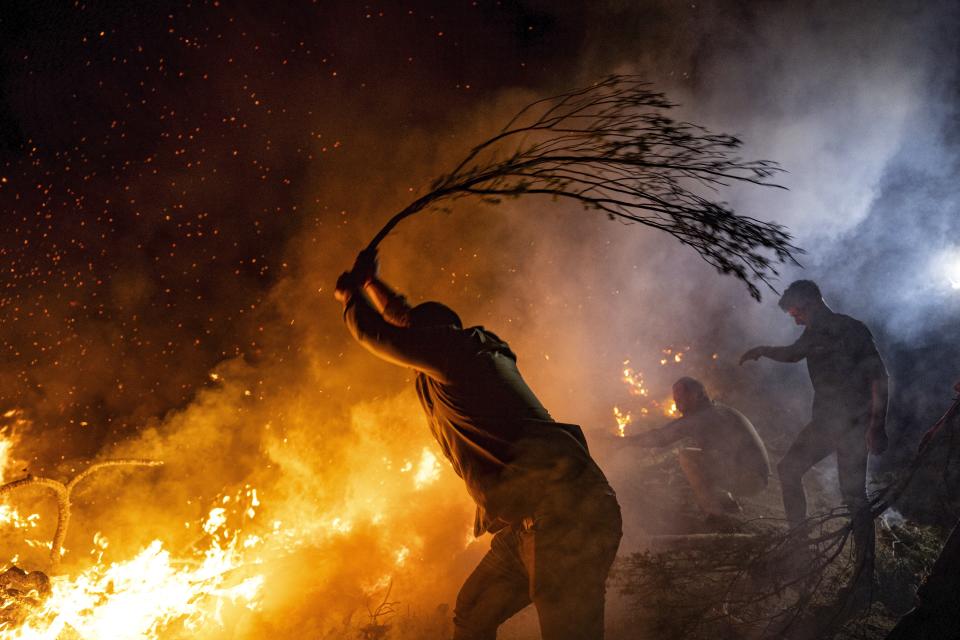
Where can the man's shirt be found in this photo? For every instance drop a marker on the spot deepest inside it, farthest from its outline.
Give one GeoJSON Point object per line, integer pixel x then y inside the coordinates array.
{"type": "Point", "coordinates": [490, 426]}
{"type": "Point", "coordinates": [843, 361]}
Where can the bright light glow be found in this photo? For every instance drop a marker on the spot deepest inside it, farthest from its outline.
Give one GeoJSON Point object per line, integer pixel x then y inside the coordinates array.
{"type": "Point", "coordinates": [944, 269]}
{"type": "Point", "coordinates": [670, 408]}
{"type": "Point", "coordinates": [428, 470]}
{"type": "Point", "coordinates": [211, 582]}
{"type": "Point", "coordinates": [952, 269]}
{"type": "Point", "coordinates": [7, 441]}
{"type": "Point", "coordinates": [139, 598]}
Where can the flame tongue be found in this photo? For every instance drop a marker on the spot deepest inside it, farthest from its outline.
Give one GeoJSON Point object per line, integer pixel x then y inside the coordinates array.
{"type": "Point", "coordinates": [144, 596]}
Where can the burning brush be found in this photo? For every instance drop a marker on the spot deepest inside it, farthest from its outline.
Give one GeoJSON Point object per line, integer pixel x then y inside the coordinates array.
{"type": "Point", "coordinates": [64, 492]}
{"type": "Point", "coordinates": [22, 592]}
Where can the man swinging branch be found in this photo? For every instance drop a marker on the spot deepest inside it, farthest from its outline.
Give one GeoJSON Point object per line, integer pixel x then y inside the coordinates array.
{"type": "Point", "coordinates": [555, 519]}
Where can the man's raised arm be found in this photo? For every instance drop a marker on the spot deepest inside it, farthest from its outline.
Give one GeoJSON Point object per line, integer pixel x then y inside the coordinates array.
{"type": "Point", "coordinates": [420, 349]}
{"type": "Point", "coordinates": [391, 305]}
{"type": "Point", "coordinates": [662, 436]}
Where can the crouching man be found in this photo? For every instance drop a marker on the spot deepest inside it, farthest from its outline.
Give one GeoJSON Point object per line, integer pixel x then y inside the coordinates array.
{"type": "Point", "coordinates": [555, 519]}
{"type": "Point", "coordinates": [727, 461]}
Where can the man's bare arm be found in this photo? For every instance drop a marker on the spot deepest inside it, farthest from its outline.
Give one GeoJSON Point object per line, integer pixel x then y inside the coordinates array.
{"type": "Point", "coordinates": [660, 437]}
{"type": "Point", "coordinates": [421, 349]}
{"type": "Point", "coordinates": [392, 305]}
{"type": "Point", "coordinates": [790, 353]}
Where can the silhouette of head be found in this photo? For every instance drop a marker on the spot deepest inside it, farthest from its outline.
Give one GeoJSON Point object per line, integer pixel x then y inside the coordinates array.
{"type": "Point", "coordinates": [689, 395]}
{"type": "Point", "coordinates": [433, 314]}
{"type": "Point", "coordinates": [801, 299]}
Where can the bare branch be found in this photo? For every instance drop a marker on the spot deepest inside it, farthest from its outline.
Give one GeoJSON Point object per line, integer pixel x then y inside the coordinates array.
{"type": "Point", "coordinates": [63, 492]}
{"type": "Point", "coordinates": [612, 148]}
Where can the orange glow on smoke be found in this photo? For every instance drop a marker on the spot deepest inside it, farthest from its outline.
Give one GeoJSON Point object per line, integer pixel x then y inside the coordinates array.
{"type": "Point", "coordinates": [637, 387]}
{"type": "Point", "coordinates": [670, 409]}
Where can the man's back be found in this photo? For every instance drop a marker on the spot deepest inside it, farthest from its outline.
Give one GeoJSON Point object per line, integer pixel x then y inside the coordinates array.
{"type": "Point", "coordinates": [726, 433]}
{"type": "Point", "coordinates": [480, 379]}
{"type": "Point", "coordinates": [489, 424]}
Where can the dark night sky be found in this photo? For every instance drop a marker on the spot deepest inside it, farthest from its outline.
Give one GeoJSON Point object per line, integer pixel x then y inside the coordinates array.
{"type": "Point", "coordinates": [154, 169]}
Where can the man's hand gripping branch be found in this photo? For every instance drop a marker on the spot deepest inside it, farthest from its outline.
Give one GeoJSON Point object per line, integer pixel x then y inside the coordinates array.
{"type": "Point", "coordinates": [364, 278]}
{"type": "Point", "coordinates": [351, 282]}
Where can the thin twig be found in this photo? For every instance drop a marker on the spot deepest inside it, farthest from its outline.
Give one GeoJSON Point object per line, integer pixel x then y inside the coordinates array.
{"type": "Point", "coordinates": [63, 493]}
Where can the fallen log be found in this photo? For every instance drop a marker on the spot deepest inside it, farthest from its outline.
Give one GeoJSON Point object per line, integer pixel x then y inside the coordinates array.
{"type": "Point", "coordinates": [690, 541]}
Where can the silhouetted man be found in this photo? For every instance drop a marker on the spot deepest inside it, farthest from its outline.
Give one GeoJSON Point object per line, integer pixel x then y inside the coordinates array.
{"type": "Point", "coordinates": [728, 460]}
{"type": "Point", "coordinates": [555, 519]}
{"type": "Point", "coordinates": [849, 408]}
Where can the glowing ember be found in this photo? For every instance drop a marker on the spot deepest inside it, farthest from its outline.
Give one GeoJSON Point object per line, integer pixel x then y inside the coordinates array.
{"type": "Point", "coordinates": [634, 380]}
{"type": "Point", "coordinates": [340, 525]}
{"type": "Point", "coordinates": [670, 409]}
{"type": "Point", "coordinates": [637, 387]}
{"type": "Point", "coordinates": [10, 516]}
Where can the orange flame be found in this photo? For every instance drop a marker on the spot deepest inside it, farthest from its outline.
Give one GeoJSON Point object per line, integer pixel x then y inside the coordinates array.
{"type": "Point", "coordinates": [634, 380]}
{"type": "Point", "coordinates": [141, 597]}
{"type": "Point", "coordinates": [623, 419]}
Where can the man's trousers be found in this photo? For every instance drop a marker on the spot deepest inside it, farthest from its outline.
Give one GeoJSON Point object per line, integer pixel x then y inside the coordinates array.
{"type": "Point", "coordinates": [826, 434]}
{"type": "Point", "coordinates": [558, 559]}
